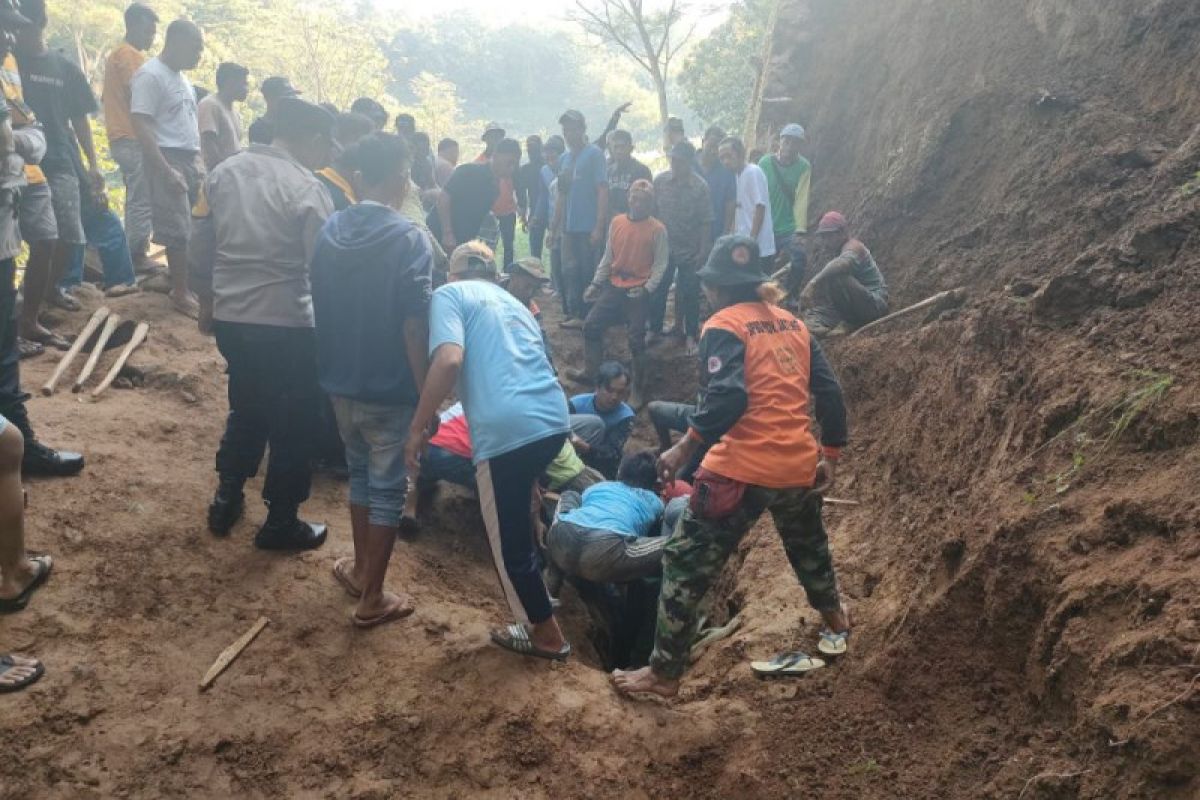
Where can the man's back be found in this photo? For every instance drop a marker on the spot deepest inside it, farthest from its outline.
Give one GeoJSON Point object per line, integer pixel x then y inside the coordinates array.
{"type": "Point", "coordinates": [473, 189]}
{"type": "Point", "coordinates": [371, 272]}
{"type": "Point", "coordinates": [224, 123]}
{"type": "Point", "coordinates": [507, 385]}
{"type": "Point", "coordinates": [267, 210]}
{"type": "Point", "coordinates": [614, 506]}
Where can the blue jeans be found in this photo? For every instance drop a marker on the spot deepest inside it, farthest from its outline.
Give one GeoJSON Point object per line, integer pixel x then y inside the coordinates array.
{"type": "Point", "coordinates": [439, 464]}
{"type": "Point", "coordinates": [104, 232]}
{"type": "Point", "coordinates": [375, 436]}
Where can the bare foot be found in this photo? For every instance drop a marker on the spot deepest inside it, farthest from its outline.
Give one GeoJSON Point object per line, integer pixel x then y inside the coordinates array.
{"type": "Point", "coordinates": [547, 635]}
{"type": "Point", "coordinates": [20, 669]}
{"type": "Point", "coordinates": [24, 575]}
{"type": "Point", "coordinates": [343, 571]}
{"type": "Point", "coordinates": [186, 305]}
{"type": "Point", "coordinates": [386, 608]}
{"type": "Point", "coordinates": [643, 681]}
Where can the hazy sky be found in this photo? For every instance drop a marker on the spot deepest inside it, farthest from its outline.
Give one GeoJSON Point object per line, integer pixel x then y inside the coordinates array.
{"type": "Point", "coordinates": [494, 11]}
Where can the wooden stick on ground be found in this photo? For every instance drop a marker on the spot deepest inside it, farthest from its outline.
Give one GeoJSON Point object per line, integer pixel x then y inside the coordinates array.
{"type": "Point", "coordinates": [950, 298]}
{"type": "Point", "coordinates": [230, 653]}
{"type": "Point", "coordinates": [110, 325]}
{"type": "Point", "coordinates": [139, 336]}
{"type": "Point", "coordinates": [76, 346]}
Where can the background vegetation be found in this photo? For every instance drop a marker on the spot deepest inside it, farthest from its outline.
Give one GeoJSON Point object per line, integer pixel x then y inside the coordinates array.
{"type": "Point", "coordinates": [453, 72]}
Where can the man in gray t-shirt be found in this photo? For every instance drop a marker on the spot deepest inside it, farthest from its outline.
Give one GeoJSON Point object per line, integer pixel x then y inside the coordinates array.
{"type": "Point", "coordinates": [850, 290]}
{"type": "Point", "coordinates": [251, 272]}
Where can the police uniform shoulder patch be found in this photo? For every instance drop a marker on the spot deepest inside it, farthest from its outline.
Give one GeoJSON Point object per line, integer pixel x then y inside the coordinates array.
{"type": "Point", "coordinates": [714, 365]}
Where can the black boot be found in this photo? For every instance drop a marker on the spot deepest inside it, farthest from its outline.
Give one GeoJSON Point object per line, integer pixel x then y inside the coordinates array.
{"type": "Point", "coordinates": [284, 530]}
{"type": "Point", "coordinates": [42, 460]}
{"type": "Point", "coordinates": [226, 507]}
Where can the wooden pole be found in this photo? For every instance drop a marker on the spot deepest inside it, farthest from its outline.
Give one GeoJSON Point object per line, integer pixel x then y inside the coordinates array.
{"type": "Point", "coordinates": [139, 336]}
{"type": "Point", "coordinates": [97, 317]}
{"type": "Point", "coordinates": [110, 325]}
{"type": "Point", "coordinates": [232, 652]}
{"type": "Point", "coordinates": [952, 297]}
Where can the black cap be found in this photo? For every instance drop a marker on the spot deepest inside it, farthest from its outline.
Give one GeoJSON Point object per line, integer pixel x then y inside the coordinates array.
{"type": "Point", "coordinates": [734, 261]}
{"type": "Point", "coordinates": [278, 86]}
{"type": "Point", "coordinates": [572, 115]}
{"type": "Point", "coordinates": [300, 117]}
{"type": "Point", "coordinates": [683, 149]}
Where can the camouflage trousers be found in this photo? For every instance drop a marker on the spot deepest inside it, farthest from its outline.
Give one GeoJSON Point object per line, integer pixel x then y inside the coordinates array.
{"type": "Point", "coordinates": [699, 548]}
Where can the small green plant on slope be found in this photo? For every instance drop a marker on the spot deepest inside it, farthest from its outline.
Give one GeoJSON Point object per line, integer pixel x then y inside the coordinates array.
{"type": "Point", "coordinates": [1148, 389]}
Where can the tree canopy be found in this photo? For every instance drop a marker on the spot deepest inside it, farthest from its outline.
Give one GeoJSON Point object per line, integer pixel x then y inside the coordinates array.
{"type": "Point", "coordinates": [452, 72]}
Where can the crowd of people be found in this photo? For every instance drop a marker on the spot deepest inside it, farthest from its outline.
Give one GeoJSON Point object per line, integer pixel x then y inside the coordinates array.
{"type": "Point", "coordinates": [348, 274]}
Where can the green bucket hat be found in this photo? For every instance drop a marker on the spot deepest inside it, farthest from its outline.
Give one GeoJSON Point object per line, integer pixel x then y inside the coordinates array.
{"type": "Point", "coordinates": [734, 261]}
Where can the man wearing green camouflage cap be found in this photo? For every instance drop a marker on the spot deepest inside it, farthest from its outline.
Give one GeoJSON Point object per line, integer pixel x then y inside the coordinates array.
{"type": "Point", "coordinates": [761, 369]}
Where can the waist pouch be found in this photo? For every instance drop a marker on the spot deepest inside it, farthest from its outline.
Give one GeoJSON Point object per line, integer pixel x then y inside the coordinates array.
{"type": "Point", "coordinates": [715, 496]}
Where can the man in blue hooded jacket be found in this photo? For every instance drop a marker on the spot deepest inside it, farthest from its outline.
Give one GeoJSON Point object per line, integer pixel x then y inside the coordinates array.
{"type": "Point", "coordinates": [371, 278]}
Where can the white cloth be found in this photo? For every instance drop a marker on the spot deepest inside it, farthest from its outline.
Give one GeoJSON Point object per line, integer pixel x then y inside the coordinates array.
{"type": "Point", "coordinates": [752, 191]}
{"type": "Point", "coordinates": [167, 97]}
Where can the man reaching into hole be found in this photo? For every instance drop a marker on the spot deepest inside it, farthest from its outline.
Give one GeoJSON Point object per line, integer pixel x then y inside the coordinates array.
{"type": "Point", "coordinates": [762, 367]}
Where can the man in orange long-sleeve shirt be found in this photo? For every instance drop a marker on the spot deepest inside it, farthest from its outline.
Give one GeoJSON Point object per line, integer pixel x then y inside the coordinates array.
{"type": "Point", "coordinates": [141, 25]}
{"type": "Point", "coordinates": [633, 265]}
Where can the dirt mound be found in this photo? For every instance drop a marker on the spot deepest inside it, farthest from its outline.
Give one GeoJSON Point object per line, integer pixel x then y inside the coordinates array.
{"type": "Point", "coordinates": [1028, 464]}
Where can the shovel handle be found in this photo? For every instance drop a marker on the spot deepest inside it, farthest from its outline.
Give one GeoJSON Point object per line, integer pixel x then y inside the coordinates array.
{"type": "Point", "coordinates": [76, 346]}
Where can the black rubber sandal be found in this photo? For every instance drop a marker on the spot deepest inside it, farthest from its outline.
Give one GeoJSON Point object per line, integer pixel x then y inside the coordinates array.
{"type": "Point", "coordinates": [13, 604]}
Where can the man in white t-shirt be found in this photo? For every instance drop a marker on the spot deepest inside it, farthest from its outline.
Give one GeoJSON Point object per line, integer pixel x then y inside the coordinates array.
{"type": "Point", "coordinates": [163, 108]}
{"type": "Point", "coordinates": [753, 214]}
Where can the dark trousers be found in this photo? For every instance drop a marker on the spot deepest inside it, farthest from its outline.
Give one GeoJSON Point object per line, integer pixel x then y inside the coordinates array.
{"type": "Point", "coordinates": [537, 237]}
{"type": "Point", "coordinates": [687, 297]}
{"type": "Point", "coordinates": [792, 246]}
{"type": "Point", "coordinates": [508, 230]}
{"type": "Point", "coordinates": [557, 278]}
{"type": "Point", "coordinates": [579, 267]}
{"type": "Point", "coordinates": [274, 400]}
{"type": "Point", "coordinates": [505, 486]}
{"type": "Point", "coordinates": [841, 298]}
{"type": "Point", "coordinates": [616, 307]}
{"type": "Point", "coordinates": [12, 399]}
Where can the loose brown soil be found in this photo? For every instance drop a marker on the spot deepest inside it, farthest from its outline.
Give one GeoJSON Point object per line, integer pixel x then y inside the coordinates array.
{"type": "Point", "coordinates": [1023, 569]}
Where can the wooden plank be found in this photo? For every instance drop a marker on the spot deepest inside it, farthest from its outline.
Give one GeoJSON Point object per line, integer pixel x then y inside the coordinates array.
{"type": "Point", "coordinates": [232, 652]}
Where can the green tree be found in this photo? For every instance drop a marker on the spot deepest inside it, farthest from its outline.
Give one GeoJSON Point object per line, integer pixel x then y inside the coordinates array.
{"type": "Point", "coordinates": [651, 37]}
{"type": "Point", "coordinates": [721, 71]}
{"type": "Point", "coordinates": [437, 110]}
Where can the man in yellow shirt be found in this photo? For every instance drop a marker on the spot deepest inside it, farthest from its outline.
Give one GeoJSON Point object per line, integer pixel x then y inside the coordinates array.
{"type": "Point", "coordinates": [141, 25]}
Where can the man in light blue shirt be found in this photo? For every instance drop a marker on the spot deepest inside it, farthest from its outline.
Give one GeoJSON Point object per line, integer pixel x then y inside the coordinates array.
{"type": "Point", "coordinates": [583, 212]}
{"type": "Point", "coordinates": [485, 346]}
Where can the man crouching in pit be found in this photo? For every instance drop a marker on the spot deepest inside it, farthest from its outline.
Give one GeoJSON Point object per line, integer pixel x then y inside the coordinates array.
{"type": "Point", "coordinates": [761, 367]}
